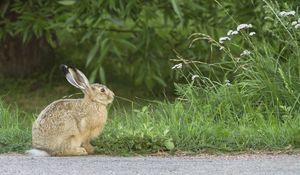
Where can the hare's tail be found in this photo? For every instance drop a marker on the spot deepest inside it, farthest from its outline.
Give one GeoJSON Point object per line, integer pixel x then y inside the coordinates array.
{"type": "Point", "coordinates": [37, 153]}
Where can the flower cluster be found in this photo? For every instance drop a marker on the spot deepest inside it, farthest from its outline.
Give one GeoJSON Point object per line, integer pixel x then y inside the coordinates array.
{"type": "Point", "coordinates": [227, 83]}
{"type": "Point", "coordinates": [177, 66]}
{"type": "Point", "coordinates": [243, 26]}
{"type": "Point", "coordinates": [231, 33]}
{"type": "Point", "coordinates": [245, 53]}
{"type": "Point", "coordinates": [296, 24]}
{"type": "Point", "coordinates": [284, 13]}
{"type": "Point", "coordinates": [252, 33]}
{"type": "Point", "coordinates": [222, 39]}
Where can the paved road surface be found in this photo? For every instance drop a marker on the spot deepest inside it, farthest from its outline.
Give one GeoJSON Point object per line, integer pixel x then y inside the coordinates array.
{"type": "Point", "coordinates": [206, 165]}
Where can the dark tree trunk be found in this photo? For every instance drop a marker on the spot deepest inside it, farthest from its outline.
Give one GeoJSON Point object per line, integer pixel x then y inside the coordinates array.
{"type": "Point", "coordinates": [19, 60]}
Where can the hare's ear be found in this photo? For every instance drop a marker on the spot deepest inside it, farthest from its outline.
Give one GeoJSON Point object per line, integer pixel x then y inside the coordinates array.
{"type": "Point", "coordinates": [75, 77]}
{"type": "Point", "coordinates": [81, 78]}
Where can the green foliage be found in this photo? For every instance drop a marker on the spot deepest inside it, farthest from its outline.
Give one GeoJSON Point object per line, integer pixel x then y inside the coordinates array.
{"type": "Point", "coordinates": [132, 39]}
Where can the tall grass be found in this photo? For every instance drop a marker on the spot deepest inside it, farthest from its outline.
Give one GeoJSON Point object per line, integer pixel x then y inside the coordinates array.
{"type": "Point", "coordinates": [198, 124]}
{"type": "Point", "coordinates": [14, 129]}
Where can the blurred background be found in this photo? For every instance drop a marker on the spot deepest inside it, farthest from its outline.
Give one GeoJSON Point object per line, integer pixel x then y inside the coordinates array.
{"type": "Point", "coordinates": [127, 45]}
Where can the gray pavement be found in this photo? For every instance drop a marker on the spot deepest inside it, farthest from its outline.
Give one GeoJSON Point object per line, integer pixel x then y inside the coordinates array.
{"type": "Point", "coordinates": [207, 165]}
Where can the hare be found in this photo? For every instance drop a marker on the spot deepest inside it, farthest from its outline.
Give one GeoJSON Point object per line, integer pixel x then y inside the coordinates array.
{"type": "Point", "coordinates": [66, 126]}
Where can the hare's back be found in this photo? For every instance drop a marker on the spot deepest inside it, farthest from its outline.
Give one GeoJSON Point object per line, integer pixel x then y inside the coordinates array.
{"type": "Point", "coordinates": [56, 122]}
{"type": "Point", "coordinates": [60, 110]}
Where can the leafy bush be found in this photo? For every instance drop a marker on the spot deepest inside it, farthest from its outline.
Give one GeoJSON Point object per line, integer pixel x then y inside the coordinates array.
{"type": "Point", "coordinates": [133, 40]}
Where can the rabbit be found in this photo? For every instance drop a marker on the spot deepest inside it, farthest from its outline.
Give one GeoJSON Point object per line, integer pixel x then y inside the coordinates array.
{"type": "Point", "coordinates": [66, 126]}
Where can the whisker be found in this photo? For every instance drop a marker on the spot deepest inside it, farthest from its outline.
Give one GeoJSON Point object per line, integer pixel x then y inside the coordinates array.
{"type": "Point", "coordinates": [125, 99]}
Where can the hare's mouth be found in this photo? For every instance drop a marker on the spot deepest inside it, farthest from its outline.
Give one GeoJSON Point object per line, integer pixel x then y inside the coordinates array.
{"type": "Point", "coordinates": [111, 98]}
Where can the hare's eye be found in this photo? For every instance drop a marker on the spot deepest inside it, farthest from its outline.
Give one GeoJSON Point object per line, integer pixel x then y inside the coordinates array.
{"type": "Point", "coordinates": [102, 90]}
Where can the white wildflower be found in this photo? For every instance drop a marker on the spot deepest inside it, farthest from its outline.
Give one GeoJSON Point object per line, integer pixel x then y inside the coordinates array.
{"type": "Point", "coordinates": [294, 23]}
{"type": "Point", "coordinates": [245, 53]}
{"type": "Point", "coordinates": [194, 76]}
{"type": "Point", "coordinates": [291, 13]}
{"type": "Point", "coordinates": [227, 83]}
{"type": "Point", "coordinates": [297, 26]}
{"type": "Point", "coordinates": [222, 48]}
{"type": "Point", "coordinates": [235, 32]}
{"type": "Point", "coordinates": [177, 66]}
{"type": "Point", "coordinates": [229, 32]}
{"type": "Point", "coordinates": [252, 33]}
{"type": "Point", "coordinates": [284, 13]}
{"type": "Point", "coordinates": [222, 39]}
{"type": "Point", "coordinates": [243, 26]}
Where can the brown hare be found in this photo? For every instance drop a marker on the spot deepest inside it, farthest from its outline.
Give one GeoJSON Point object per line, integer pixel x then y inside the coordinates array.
{"type": "Point", "coordinates": [66, 126]}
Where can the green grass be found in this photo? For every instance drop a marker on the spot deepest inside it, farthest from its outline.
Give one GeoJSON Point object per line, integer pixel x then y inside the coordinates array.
{"type": "Point", "coordinates": [257, 110]}
{"type": "Point", "coordinates": [187, 125]}
{"type": "Point", "coordinates": [172, 127]}
{"type": "Point", "coordinates": [15, 131]}
{"type": "Point", "coordinates": [198, 127]}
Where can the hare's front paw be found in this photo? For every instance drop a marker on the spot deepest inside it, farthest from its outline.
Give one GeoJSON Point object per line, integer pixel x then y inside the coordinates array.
{"type": "Point", "coordinates": [81, 151]}
{"type": "Point", "coordinates": [88, 147]}
{"type": "Point", "coordinates": [75, 152]}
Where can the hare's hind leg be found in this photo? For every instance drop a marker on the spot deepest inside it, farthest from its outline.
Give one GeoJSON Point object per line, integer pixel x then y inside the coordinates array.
{"type": "Point", "coordinates": [72, 147]}
{"type": "Point", "coordinates": [88, 147]}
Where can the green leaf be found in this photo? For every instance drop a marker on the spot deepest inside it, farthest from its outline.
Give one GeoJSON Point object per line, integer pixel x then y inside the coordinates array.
{"type": "Point", "coordinates": [102, 75]}
{"type": "Point", "coordinates": [160, 80]}
{"type": "Point", "coordinates": [127, 43]}
{"type": "Point", "coordinates": [117, 51]}
{"type": "Point", "coordinates": [86, 36]}
{"type": "Point", "coordinates": [25, 35]}
{"type": "Point", "coordinates": [4, 9]}
{"type": "Point", "coordinates": [176, 8]}
{"type": "Point", "coordinates": [67, 2]}
{"type": "Point", "coordinates": [92, 53]}
{"type": "Point", "coordinates": [166, 132]}
{"type": "Point", "coordinates": [104, 49]}
{"type": "Point", "coordinates": [93, 76]}
{"type": "Point", "coordinates": [169, 144]}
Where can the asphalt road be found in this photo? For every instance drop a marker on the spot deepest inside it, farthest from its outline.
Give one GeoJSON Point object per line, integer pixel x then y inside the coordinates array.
{"type": "Point", "coordinates": [207, 165]}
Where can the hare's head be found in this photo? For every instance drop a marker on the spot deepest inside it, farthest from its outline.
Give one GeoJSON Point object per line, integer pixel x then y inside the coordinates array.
{"type": "Point", "coordinates": [95, 92]}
